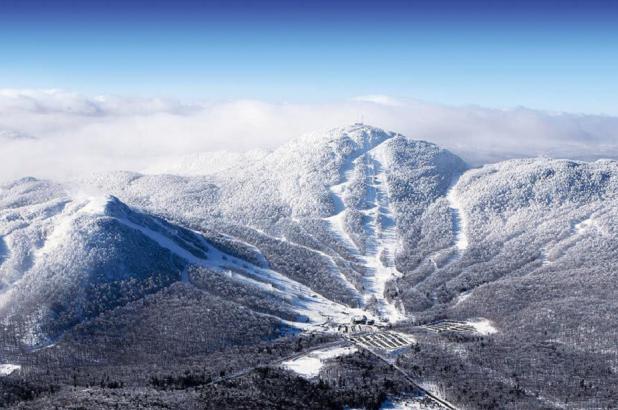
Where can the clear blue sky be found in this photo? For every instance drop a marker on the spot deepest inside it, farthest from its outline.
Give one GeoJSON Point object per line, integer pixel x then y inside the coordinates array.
{"type": "Point", "coordinates": [557, 55]}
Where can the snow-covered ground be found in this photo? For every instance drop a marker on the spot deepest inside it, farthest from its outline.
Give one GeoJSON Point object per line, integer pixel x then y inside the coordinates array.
{"type": "Point", "coordinates": [382, 241]}
{"type": "Point", "coordinates": [483, 326]}
{"type": "Point", "coordinates": [56, 224]}
{"type": "Point", "coordinates": [60, 230]}
{"type": "Point", "coordinates": [462, 298]}
{"type": "Point", "coordinates": [6, 369]}
{"type": "Point", "coordinates": [380, 228]}
{"type": "Point", "coordinates": [337, 221]}
{"type": "Point", "coordinates": [585, 225]}
{"type": "Point", "coordinates": [309, 365]}
{"type": "Point", "coordinates": [458, 217]}
{"type": "Point", "coordinates": [4, 250]}
{"type": "Point", "coordinates": [554, 250]}
{"type": "Point", "coordinates": [304, 300]}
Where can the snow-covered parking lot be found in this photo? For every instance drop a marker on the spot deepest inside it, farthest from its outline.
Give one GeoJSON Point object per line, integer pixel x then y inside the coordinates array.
{"type": "Point", "coordinates": [382, 340]}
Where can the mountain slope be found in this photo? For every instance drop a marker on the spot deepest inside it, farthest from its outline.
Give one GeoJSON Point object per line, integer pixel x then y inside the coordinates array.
{"type": "Point", "coordinates": [93, 254]}
{"type": "Point", "coordinates": [354, 221]}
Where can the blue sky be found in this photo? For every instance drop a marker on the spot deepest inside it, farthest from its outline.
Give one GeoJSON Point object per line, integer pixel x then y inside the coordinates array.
{"type": "Point", "coordinates": [555, 55]}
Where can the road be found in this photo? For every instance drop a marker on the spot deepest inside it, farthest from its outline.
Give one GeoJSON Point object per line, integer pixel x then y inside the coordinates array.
{"type": "Point", "coordinates": [277, 362]}
{"type": "Point", "coordinates": [410, 379]}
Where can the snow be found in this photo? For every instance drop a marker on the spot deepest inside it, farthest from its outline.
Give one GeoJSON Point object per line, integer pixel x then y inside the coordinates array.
{"type": "Point", "coordinates": [6, 296]}
{"type": "Point", "coordinates": [337, 221]}
{"type": "Point", "coordinates": [62, 223]}
{"type": "Point", "coordinates": [506, 211]}
{"type": "Point", "coordinates": [309, 365]}
{"type": "Point", "coordinates": [4, 250]}
{"type": "Point", "coordinates": [60, 220]}
{"type": "Point", "coordinates": [305, 301]}
{"type": "Point", "coordinates": [434, 389]}
{"type": "Point", "coordinates": [337, 224]}
{"type": "Point", "coordinates": [95, 205]}
{"type": "Point", "coordinates": [383, 243]}
{"type": "Point", "coordinates": [483, 326]}
{"type": "Point", "coordinates": [7, 369]}
{"type": "Point", "coordinates": [462, 298]}
{"type": "Point", "coordinates": [458, 217]}
{"type": "Point", "coordinates": [381, 236]}
{"type": "Point", "coordinates": [333, 265]}
{"type": "Point", "coordinates": [555, 250]}
{"type": "Point", "coordinates": [585, 225]}
{"type": "Point", "coordinates": [306, 366]}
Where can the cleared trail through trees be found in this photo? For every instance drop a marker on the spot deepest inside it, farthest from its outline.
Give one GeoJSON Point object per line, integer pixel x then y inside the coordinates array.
{"type": "Point", "coordinates": [337, 221]}
{"type": "Point", "coordinates": [458, 217]}
{"type": "Point", "coordinates": [379, 225]}
{"type": "Point", "coordinates": [382, 241]}
{"type": "Point", "coordinates": [4, 250]}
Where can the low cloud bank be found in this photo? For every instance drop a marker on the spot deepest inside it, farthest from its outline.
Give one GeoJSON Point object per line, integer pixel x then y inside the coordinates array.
{"type": "Point", "coordinates": [59, 135]}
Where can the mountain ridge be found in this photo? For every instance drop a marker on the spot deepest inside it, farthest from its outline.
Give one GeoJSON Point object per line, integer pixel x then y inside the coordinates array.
{"type": "Point", "coordinates": [353, 222]}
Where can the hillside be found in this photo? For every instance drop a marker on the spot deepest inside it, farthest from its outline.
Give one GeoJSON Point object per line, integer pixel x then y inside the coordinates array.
{"type": "Point", "coordinates": [502, 275]}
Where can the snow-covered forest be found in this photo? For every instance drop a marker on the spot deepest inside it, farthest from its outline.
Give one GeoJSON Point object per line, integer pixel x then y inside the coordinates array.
{"type": "Point", "coordinates": [191, 291]}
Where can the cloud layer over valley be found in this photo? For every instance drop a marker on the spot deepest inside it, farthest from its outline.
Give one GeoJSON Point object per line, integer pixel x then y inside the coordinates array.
{"type": "Point", "coordinates": [58, 134]}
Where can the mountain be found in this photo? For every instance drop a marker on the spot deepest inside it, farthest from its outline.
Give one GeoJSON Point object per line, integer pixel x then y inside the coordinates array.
{"type": "Point", "coordinates": [503, 275]}
{"type": "Point", "coordinates": [71, 258]}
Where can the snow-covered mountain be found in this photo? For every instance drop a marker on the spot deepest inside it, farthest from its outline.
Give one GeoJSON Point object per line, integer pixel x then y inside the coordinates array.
{"type": "Point", "coordinates": [365, 218]}
{"type": "Point", "coordinates": [354, 221]}
{"type": "Point", "coordinates": [68, 258]}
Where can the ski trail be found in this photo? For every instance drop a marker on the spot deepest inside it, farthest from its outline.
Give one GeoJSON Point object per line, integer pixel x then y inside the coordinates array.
{"type": "Point", "coordinates": [337, 221]}
{"type": "Point", "coordinates": [553, 251]}
{"type": "Point", "coordinates": [334, 268]}
{"type": "Point", "coordinates": [379, 226]}
{"type": "Point", "coordinates": [458, 218]}
{"type": "Point", "coordinates": [4, 250]}
{"type": "Point", "coordinates": [382, 243]}
{"type": "Point", "coordinates": [586, 226]}
{"type": "Point", "coordinates": [303, 299]}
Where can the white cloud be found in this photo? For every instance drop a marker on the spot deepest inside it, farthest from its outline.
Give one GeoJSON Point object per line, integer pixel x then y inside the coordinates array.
{"type": "Point", "coordinates": [379, 99]}
{"type": "Point", "coordinates": [58, 134]}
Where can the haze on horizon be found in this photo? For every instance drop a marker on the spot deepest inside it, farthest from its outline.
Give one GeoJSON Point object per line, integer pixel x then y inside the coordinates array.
{"type": "Point", "coordinates": [98, 86]}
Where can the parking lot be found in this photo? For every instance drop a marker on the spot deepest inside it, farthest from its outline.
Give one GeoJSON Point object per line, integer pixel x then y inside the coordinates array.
{"type": "Point", "coordinates": [449, 326]}
{"type": "Point", "coordinates": [381, 339]}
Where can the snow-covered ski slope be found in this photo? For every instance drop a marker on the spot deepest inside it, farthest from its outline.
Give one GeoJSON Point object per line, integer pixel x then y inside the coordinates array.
{"type": "Point", "coordinates": [379, 226]}
{"type": "Point", "coordinates": [458, 218]}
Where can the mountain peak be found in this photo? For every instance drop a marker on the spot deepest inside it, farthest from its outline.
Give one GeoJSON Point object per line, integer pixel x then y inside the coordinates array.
{"type": "Point", "coordinates": [362, 128]}
{"type": "Point", "coordinates": [358, 137]}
